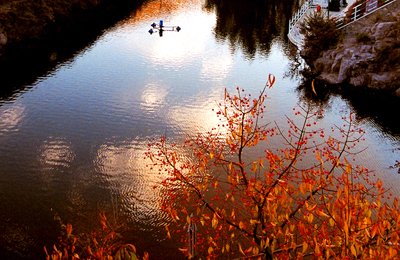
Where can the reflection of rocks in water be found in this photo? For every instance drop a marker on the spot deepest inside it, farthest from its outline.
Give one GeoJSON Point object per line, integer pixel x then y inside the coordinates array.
{"type": "Point", "coordinates": [315, 93]}
{"type": "Point", "coordinates": [375, 105]}
{"type": "Point", "coordinates": [253, 25]}
{"type": "Point", "coordinates": [296, 65]}
{"type": "Point", "coordinates": [366, 103]}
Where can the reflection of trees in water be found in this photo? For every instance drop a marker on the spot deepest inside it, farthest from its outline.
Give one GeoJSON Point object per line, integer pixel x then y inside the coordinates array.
{"type": "Point", "coordinates": [296, 64]}
{"type": "Point", "coordinates": [315, 92]}
{"type": "Point", "coordinates": [251, 24]}
{"type": "Point", "coordinates": [376, 106]}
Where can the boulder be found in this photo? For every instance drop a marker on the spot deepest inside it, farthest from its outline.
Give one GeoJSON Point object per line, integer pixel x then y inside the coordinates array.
{"type": "Point", "coordinates": [381, 30]}
{"type": "Point", "coordinates": [329, 78]}
{"type": "Point", "coordinates": [336, 65]}
{"type": "Point", "coordinates": [397, 92]}
{"type": "Point", "coordinates": [363, 56]}
{"type": "Point", "coordinates": [360, 64]}
{"type": "Point", "coordinates": [323, 64]}
{"type": "Point", "coordinates": [3, 38]}
{"type": "Point", "coordinates": [345, 69]}
{"type": "Point", "coordinates": [381, 80]}
{"type": "Point", "coordinates": [359, 81]}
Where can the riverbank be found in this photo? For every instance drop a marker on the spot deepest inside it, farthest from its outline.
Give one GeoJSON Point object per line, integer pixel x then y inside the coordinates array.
{"type": "Point", "coordinates": [26, 25]}
{"type": "Point", "coordinates": [369, 54]}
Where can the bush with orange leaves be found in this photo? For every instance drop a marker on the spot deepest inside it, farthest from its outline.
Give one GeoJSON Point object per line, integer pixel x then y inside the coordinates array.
{"type": "Point", "coordinates": [302, 199]}
{"type": "Point", "coordinates": [99, 245]}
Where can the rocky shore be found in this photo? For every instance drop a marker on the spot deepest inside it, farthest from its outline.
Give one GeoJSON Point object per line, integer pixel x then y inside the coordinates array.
{"type": "Point", "coordinates": [368, 55]}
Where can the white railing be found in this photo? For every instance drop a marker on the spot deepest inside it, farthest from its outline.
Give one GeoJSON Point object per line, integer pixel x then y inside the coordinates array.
{"type": "Point", "coordinates": [361, 10]}
{"type": "Point", "coordinates": [351, 15]}
{"type": "Point", "coordinates": [299, 14]}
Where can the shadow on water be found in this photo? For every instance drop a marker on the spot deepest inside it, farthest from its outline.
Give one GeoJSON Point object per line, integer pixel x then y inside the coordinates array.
{"type": "Point", "coordinates": [379, 107]}
{"type": "Point", "coordinates": [251, 25]}
{"type": "Point", "coordinates": [23, 63]}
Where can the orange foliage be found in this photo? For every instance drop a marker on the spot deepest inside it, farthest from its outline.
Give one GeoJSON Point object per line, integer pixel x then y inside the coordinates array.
{"type": "Point", "coordinates": [100, 245]}
{"type": "Point", "coordinates": [305, 200]}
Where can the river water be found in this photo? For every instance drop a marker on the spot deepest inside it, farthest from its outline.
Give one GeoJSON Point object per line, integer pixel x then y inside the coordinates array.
{"type": "Point", "coordinates": [73, 136]}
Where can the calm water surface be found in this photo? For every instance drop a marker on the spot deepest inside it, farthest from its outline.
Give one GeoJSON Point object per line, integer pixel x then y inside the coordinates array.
{"type": "Point", "coordinates": [73, 140]}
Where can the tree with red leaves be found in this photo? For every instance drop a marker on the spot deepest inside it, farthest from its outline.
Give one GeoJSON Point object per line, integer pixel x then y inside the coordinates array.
{"type": "Point", "coordinates": [248, 197]}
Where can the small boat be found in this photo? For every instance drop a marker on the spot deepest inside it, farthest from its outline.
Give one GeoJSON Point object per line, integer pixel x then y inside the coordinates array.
{"type": "Point", "coordinates": [161, 28]}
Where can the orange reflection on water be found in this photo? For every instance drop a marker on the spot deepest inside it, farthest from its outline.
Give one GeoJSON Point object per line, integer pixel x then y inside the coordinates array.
{"type": "Point", "coordinates": [158, 8]}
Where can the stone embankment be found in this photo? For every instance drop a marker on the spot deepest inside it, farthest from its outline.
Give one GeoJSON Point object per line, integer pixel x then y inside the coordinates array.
{"type": "Point", "coordinates": [369, 55]}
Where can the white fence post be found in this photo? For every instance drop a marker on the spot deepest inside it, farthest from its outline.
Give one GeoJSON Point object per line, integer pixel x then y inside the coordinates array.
{"type": "Point", "coordinates": [297, 16]}
{"type": "Point", "coordinates": [355, 13]}
{"type": "Point", "coordinates": [371, 6]}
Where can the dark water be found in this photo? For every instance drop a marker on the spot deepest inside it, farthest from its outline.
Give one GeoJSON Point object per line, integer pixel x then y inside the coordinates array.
{"type": "Point", "coordinates": [73, 130]}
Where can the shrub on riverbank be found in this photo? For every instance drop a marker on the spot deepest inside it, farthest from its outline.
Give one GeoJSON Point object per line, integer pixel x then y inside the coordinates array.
{"type": "Point", "coordinates": [320, 34]}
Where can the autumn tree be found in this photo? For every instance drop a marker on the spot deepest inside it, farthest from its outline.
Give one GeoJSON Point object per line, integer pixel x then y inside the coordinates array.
{"type": "Point", "coordinates": [247, 195]}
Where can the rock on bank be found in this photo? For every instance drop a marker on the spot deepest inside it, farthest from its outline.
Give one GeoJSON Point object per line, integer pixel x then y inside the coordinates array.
{"type": "Point", "coordinates": [369, 54]}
